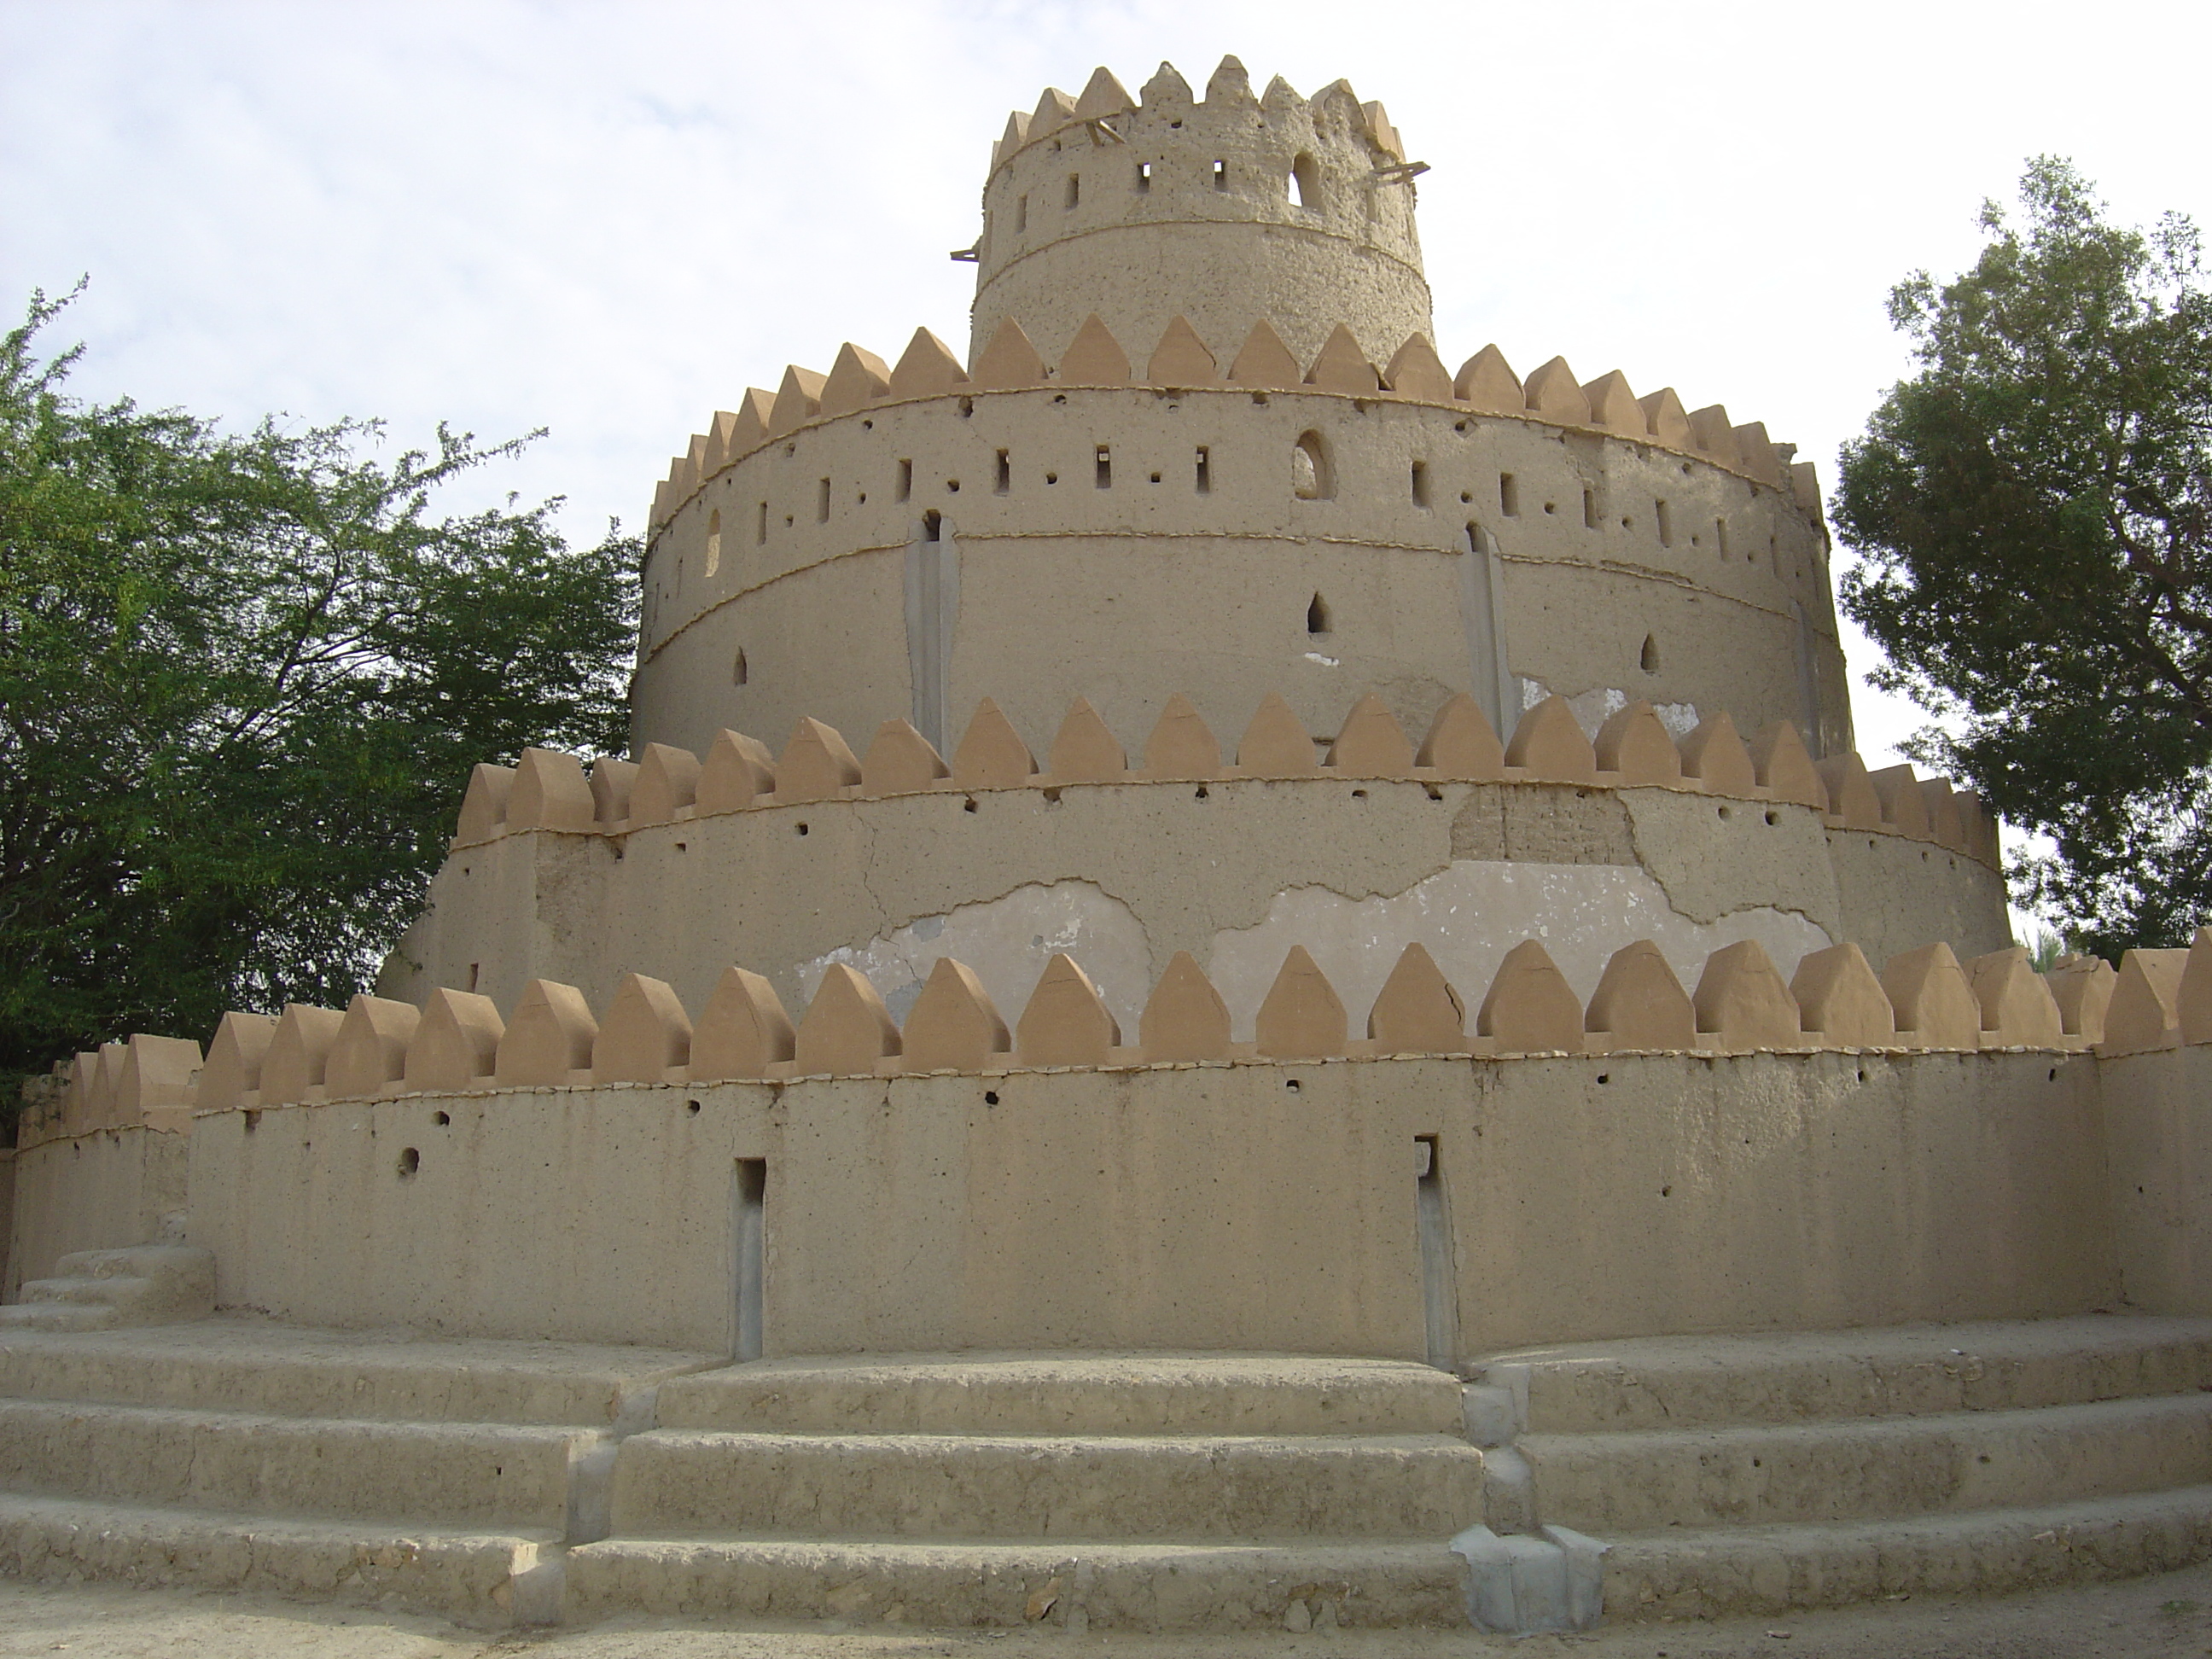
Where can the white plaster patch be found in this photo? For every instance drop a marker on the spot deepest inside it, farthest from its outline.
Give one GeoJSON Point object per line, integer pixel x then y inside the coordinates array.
{"type": "Point", "coordinates": [1008, 941]}
{"type": "Point", "coordinates": [1592, 709]}
{"type": "Point", "coordinates": [1469, 915]}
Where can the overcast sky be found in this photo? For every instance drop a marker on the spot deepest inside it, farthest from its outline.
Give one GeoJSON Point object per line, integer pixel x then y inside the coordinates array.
{"type": "Point", "coordinates": [608, 219]}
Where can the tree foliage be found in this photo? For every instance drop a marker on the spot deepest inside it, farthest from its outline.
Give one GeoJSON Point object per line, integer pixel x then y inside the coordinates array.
{"type": "Point", "coordinates": [242, 680]}
{"type": "Point", "coordinates": [2031, 509]}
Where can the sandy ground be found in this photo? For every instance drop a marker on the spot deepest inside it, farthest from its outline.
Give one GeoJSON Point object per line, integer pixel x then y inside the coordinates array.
{"type": "Point", "coordinates": [2139, 1619]}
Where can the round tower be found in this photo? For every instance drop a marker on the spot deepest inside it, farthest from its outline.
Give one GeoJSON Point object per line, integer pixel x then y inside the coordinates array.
{"type": "Point", "coordinates": [1225, 212]}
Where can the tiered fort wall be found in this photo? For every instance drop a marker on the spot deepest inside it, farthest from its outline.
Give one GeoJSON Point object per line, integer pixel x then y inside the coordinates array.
{"type": "Point", "coordinates": [1353, 846]}
{"type": "Point", "coordinates": [1944, 1142]}
{"type": "Point", "coordinates": [1271, 205]}
{"type": "Point", "coordinates": [911, 540]}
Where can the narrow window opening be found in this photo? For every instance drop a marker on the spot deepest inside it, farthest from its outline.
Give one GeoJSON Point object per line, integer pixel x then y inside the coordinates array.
{"type": "Point", "coordinates": [1105, 467]}
{"type": "Point", "coordinates": [1005, 474]}
{"type": "Point", "coordinates": [1509, 495]}
{"type": "Point", "coordinates": [1650, 660]}
{"type": "Point", "coordinates": [1318, 616]}
{"type": "Point", "coordinates": [1022, 213]}
{"type": "Point", "coordinates": [1144, 177]}
{"type": "Point", "coordinates": [1074, 188]}
{"type": "Point", "coordinates": [1666, 523]}
{"type": "Point", "coordinates": [1221, 175]}
{"type": "Point", "coordinates": [932, 525]}
{"type": "Point", "coordinates": [760, 530]}
{"type": "Point", "coordinates": [1720, 536]}
{"type": "Point", "coordinates": [1305, 183]}
{"type": "Point", "coordinates": [821, 503]}
{"type": "Point", "coordinates": [1204, 471]}
{"type": "Point", "coordinates": [1420, 483]}
{"type": "Point", "coordinates": [751, 1251]}
{"type": "Point", "coordinates": [905, 481]}
{"type": "Point", "coordinates": [1311, 478]}
{"type": "Point", "coordinates": [1589, 509]}
{"type": "Point", "coordinates": [475, 967]}
{"type": "Point", "coordinates": [1439, 1297]}
{"type": "Point", "coordinates": [739, 672]}
{"type": "Point", "coordinates": [713, 541]}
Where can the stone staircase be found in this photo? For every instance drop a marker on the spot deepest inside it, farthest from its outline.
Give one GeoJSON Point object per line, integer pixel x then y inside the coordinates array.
{"type": "Point", "coordinates": [233, 1454]}
{"type": "Point", "coordinates": [1157, 1493]}
{"type": "Point", "coordinates": [1752, 1474]}
{"type": "Point", "coordinates": [514, 1482]}
{"type": "Point", "coordinates": [100, 1290]}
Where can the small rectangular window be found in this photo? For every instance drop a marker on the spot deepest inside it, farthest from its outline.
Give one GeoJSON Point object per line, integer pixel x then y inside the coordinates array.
{"type": "Point", "coordinates": [1005, 473]}
{"type": "Point", "coordinates": [1666, 523]}
{"type": "Point", "coordinates": [1221, 175]}
{"type": "Point", "coordinates": [1204, 471]}
{"type": "Point", "coordinates": [1074, 188]}
{"type": "Point", "coordinates": [1509, 495]}
{"type": "Point", "coordinates": [1720, 536]}
{"type": "Point", "coordinates": [905, 479]}
{"type": "Point", "coordinates": [1105, 467]}
{"type": "Point", "coordinates": [1420, 483]}
{"type": "Point", "coordinates": [759, 534]}
{"type": "Point", "coordinates": [1144, 177]}
{"type": "Point", "coordinates": [1589, 509]}
{"type": "Point", "coordinates": [821, 503]}
{"type": "Point", "coordinates": [1022, 213]}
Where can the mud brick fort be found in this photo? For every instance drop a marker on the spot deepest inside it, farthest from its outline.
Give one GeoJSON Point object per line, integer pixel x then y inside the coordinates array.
{"type": "Point", "coordinates": [1238, 978]}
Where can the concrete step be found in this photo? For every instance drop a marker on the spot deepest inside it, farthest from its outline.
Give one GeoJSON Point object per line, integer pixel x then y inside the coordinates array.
{"type": "Point", "coordinates": [244, 1365]}
{"type": "Point", "coordinates": [146, 1284]}
{"type": "Point", "coordinates": [1896, 1465]}
{"type": "Point", "coordinates": [1068, 1395]}
{"type": "Point", "coordinates": [125, 1295]}
{"type": "Point", "coordinates": [1687, 1381]}
{"type": "Point", "coordinates": [1319, 1583]}
{"type": "Point", "coordinates": [684, 1482]}
{"type": "Point", "coordinates": [1696, 1573]}
{"type": "Point", "coordinates": [56, 1316]}
{"type": "Point", "coordinates": [182, 1262]}
{"type": "Point", "coordinates": [484, 1579]}
{"type": "Point", "coordinates": [420, 1474]}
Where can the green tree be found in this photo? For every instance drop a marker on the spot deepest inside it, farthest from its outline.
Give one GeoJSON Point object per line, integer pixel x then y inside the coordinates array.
{"type": "Point", "coordinates": [242, 680]}
{"type": "Point", "coordinates": [2032, 508]}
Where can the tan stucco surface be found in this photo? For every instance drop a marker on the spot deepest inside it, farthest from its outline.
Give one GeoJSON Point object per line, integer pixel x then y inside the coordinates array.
{"type": "Point", "coordinates": [1130, 593]}
{"type": "Point", "coordinates": [2160, 1147]}
{"type": "Point", "coordinates": [1252, 1206]}
{"type": "Point", "coordinates": [91, 1192]}
{"type": "Point", "coordinates": [1123, 876]}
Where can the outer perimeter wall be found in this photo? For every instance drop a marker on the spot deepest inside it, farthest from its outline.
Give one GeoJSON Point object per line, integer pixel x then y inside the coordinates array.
{"type": "Point", "coordinates": [1268, 1204]}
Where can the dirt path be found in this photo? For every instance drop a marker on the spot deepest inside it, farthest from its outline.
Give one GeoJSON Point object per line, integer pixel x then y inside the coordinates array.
{"type": "Point", "coordinates": [2164, 1618]}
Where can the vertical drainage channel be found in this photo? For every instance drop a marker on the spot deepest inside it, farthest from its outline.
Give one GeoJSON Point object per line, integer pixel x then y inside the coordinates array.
{"type": "Point", "coordinates": [750, 1217]}
{"type": "Point", "coordinates": [1439, 1297]}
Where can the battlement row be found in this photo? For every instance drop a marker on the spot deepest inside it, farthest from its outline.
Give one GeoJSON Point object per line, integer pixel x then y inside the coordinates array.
{"type": "Point", "coordinates": [1228, 91]}
{"type": "Point", "coordinates": [551, 790]}
{"type": "Point", "coordinates": [1484, 383]}
{"type": "Point", "coordinates": [457, 1042]}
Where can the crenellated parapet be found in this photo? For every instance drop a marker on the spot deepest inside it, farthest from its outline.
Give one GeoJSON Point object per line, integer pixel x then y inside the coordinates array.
{"type": "Point", "coordinates": [457, 1042]}
{"type": "Point", "coordinates": [1633, 749]}
{"type": "Point", "coordinates": [1181, 361]}
{"type": "Point", "coordinates": [1240, 204]}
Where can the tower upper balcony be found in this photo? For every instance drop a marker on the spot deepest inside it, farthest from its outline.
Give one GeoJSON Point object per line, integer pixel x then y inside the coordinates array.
{"type": "Point", "coordinates": [1225, 210]}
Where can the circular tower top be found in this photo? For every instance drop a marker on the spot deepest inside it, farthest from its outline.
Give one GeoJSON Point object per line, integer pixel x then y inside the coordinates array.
{"type": "Point", "coordinates": [1226, 211]}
